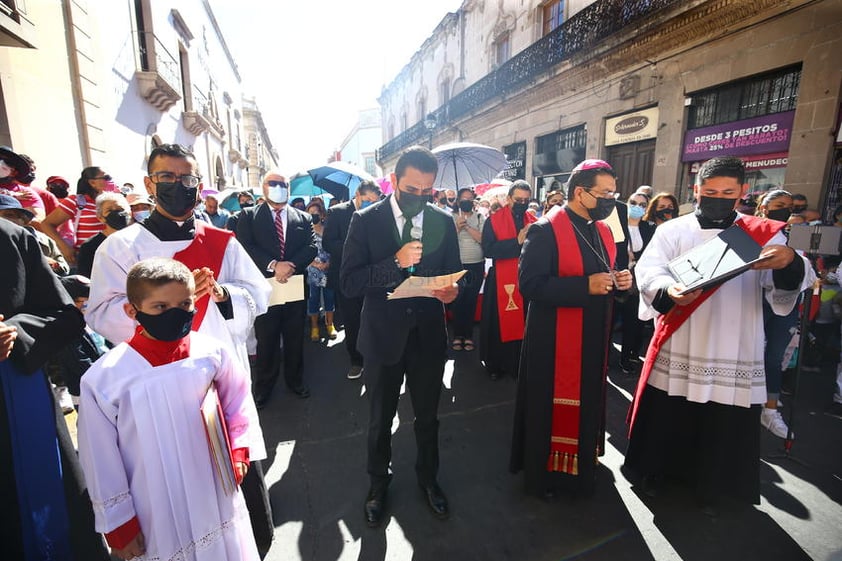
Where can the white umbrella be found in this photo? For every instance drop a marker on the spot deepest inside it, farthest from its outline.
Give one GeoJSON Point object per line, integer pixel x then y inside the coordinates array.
{"type": "Point", "coordinates": [466, 163]}
{"type": "Point", "coordinates": [494, 192]}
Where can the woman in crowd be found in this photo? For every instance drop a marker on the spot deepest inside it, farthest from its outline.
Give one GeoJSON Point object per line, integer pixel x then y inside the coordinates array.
{"type": "Point", "coordinates": [554, 198]}
{"type": "Point", "coordinates": [317, 277]}
{"type": "Point", "coordinates": [640, 232]}
{"type": "Point", "coordinates": [112, 209]}
{"type": "Point", "coordinates": [469, 232]}
{"type": "Point", "coordinates": [662, 207]}
{"type": "Point", "coordinates": [775, 205]}
{"type": "Point", "coordinates": [81, 209]}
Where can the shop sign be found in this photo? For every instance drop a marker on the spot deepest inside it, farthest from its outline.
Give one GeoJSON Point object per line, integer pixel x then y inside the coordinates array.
{"type": "Point", "coordinates": [766, 161]}
{"type": "Point", "coordinates": [632, 127]}
{"type": "Point", "coordinates": [516, 161]}
{"type": "Point", "coordinates": [761, 135]}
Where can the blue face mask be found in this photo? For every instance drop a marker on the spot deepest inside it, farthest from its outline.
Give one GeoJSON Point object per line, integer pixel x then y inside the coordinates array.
{"type": "Point", "coordinates": [636, 212]}
{"type": "Point", "coordinates": [365, 204]}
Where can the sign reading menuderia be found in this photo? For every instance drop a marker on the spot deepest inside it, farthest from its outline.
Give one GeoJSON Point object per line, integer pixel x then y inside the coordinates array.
{"type": "Point", "coordinates": [761, 135]}
{"type": "Point", "coordinates": [632, 127]}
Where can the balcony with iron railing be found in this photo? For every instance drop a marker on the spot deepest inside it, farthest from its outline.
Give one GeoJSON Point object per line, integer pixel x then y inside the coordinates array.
{"type": "Point", "coordinates": [158, 75]}
{"type": "Point", "coordinates": [594, 23]}
{"type": "Point", "coordinates": [200, 117]}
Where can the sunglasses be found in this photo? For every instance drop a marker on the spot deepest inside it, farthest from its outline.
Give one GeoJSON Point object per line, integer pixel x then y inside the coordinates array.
{"type": "Point", "coordinates": [105, 177]}
{"type": "Point", "coordinates": [276, 183]}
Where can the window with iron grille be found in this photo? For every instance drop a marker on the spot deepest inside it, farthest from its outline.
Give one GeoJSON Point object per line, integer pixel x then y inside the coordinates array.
{"type": "Point", "coordinates": [774, 92]}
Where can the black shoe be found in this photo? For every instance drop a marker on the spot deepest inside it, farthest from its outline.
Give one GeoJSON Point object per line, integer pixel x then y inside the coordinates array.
{"type": "Point", "coordinates": [375, 504]}
{"type": "Point", "coordinates": [301, 391]}
{"type": "Point", "coordinates": [436, 500]}
{"type": "Point", "coordinates": [629, 365]}
{"type": "Point", "coordinates": [650, 485]}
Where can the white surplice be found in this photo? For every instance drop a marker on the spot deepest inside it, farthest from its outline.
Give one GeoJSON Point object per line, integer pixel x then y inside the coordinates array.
{"type": "Point", "coordinates": [144, 452]}
{"type": "Point", "coordinates": [717, 354]}
{"type": "Point", "coordinates": [245, 284]}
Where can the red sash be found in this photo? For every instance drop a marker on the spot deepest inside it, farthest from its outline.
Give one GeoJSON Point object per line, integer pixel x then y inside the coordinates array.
{"type": "Point", "coordinates": [510, 313]}
{"type": "Point", "coordinates": [564, 443]}
{"type": "Point", "coordinates": [206, 250]}
{"type": "Point", "coordinates": [761, 231]}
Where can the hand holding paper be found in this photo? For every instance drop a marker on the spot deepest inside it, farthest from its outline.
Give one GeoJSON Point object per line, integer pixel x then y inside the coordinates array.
{"type": "Point", "coordinates": [775, 257]}
{"type": "Point", "coordinates": [441, 287]}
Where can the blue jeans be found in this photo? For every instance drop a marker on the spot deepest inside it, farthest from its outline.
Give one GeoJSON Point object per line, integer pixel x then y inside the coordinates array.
{"type": "Point", "coordinates": [315, 300]}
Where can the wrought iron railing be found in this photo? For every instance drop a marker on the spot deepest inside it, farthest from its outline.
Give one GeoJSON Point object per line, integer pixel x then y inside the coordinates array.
{"type": "Point", "coordinates": [589, 26]}
{"type": "Point", "coordinates": [164, 63]}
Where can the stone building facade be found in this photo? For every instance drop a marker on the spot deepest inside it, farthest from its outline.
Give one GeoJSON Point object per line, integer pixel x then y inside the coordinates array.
{"type": "Point", "coordinates": [360, 144]}
{"type": "Point", "coordinates": [653, 86]}
{"type": "Point", "coordinates": [103, 83]}
{"type": "Point", "coordinates": [259, 152]}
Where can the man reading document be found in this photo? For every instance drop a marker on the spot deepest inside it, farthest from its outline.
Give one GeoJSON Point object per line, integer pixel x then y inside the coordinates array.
{"type": "Point", "coordinates": [388, 241]}
{"type": "Point", "coordinates": [696, 410]}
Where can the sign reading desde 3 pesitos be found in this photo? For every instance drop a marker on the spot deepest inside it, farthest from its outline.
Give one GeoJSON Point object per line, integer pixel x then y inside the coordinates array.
{"type": "Point", "coordinates": [761, 135]}
{"type": "Point", "coordinates": [632, 127]}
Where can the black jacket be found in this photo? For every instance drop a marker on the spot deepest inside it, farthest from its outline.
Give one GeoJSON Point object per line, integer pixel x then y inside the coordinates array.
{"type": "Point", "coordinates": [337, 223]}
{"type": "Point", "coordinates": [256, 232]}
{"type": "Point", "coordinates": [369, 270]}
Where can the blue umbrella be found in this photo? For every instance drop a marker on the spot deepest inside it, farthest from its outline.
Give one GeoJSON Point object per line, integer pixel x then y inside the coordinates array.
{"type": "Point", "coordinates": [340, 179]}
{"type": "Point", "coordinates": [301, 185]}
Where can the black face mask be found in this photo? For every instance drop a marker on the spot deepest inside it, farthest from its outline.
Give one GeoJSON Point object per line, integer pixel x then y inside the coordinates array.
{"type": "Point", "coordinates": [781, 214]}
{"type": "Point", "coordinates": [604, 207]}
{"type": "Point", "coordinates": [451, 202]}
{"type": "Point", "coordinates": [518, 209]}
{"type": "Point", "coordinates": [246, 204]}
{"type": "Point", "coordinates": [316, 218]}
{"type": "Point", "coordinates": [59, 192]}
{"type": "Point", "coordinates": [795, 209]}
{"type": "Point", "coordinates": [664, 214]}
{"type": "Point", "coordinates": [171, 325]}
{"type": "Point", "coordinates": [411, 204]}
{"type": "Point", "coordinates": [715, 208]}
{"type": "Point", "coordinates": [466, 206]}
{"type": "Point", "coordinates": [118, 219]}
{"type": "Point", "coordinates": [176, 199]}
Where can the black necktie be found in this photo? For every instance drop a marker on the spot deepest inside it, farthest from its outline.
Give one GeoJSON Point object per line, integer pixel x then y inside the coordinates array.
{"type": "Point", "coordinates": [406, 235]}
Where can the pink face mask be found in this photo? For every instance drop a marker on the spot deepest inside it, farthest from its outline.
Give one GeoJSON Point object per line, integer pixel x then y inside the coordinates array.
{"type": "Point", "coordinates": [111, 187]}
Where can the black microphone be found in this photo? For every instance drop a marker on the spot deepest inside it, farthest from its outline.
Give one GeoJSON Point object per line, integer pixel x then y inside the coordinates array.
{"type": "Point", "coordinates": [415, 233]}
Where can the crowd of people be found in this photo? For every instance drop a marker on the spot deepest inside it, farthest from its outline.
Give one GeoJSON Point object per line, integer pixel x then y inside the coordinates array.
{"type": "Point", "coordinates": [115, 293]}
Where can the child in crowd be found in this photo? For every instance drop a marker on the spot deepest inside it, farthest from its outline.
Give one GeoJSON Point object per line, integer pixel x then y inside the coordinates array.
{"type": "Point", "coordinates": [142, 440]}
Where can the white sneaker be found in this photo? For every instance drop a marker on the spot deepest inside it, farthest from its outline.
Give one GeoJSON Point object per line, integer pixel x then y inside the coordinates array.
{"type": "Point", "coordinates": [65, 400]}
{"type": "Point", "coordinates": [774, 422]}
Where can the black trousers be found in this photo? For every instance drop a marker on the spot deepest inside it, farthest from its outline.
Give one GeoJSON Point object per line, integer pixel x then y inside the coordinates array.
{"type": "Point", "coordinates": [383, 384]}
{"type": "Point", "coordinates": [351, 309]}
{"type": "Point", "coordinates": [286, 320]}
{"type": "Point", "coordinates": [465, 305]}
{"type": "Point", "coordinates": [632, 327]}
{"type": "Point", "coordinates": [256, 497]}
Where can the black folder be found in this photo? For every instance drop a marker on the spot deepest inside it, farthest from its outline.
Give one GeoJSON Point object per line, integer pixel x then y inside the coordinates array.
{"type": "Point", "coordinates": [717, 260]}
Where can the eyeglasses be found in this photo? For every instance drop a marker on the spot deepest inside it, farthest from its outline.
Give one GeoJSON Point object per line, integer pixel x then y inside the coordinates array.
{"type": "Point", "coordinates": [521, 201]}
{"type": "Point", "coordinates": [170, 177]}
{"type": "Point", "coordinates": [275, 183]}
{"type": "Point", "coordinates": [609, 195]}
{"type": "Point", "coordinates": [105, 177]}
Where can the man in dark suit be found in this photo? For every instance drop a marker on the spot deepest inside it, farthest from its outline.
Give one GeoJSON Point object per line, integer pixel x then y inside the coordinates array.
{"type": "Point", "coordinates": [402, 337]}
{"type": "Point", "coordinates": [280, 240]}
{"type": "Point", "coordinates": [333, 241]}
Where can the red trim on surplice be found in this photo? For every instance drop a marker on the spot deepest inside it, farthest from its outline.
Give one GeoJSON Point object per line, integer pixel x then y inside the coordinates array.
{"type": "Point", "coordinates": [761, 231]}
{"type": "Point", "coordinates": [564, 436]}
{"type": "Point", "coordinates": [510, 312]}
{"type": "Point", "coordinates": [206, 250]}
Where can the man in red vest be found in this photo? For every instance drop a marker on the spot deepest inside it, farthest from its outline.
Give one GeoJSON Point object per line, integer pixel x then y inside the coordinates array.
{"type": "Point", "coordinates": [503, 308]}
{"type": "Point", "coordinates": [696, 411]}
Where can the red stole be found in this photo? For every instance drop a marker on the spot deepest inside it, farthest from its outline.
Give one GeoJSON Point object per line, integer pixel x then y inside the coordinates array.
{"type": "Point", "coordinates": [761, 231]}
{"type": "Point", "coordinates": [157, 352]}
{"type": "Point", "coordinates": [564, 442]}
{"type": "Point", "coordinates": [510, 313]}
{"type": "Point", "coordinates": [206, 250]}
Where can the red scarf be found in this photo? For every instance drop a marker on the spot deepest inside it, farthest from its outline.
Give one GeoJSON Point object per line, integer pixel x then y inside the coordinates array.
{"type": "Point", "coordinates": [206, 250]}
{"type": "Point", "coordinates": [158, 353]}
{"type": "Point", "coordinates": [564, 443]}
{"type": "Point", "coordinates": [761, 231]}
{"type": "Point", "coordinates": [510, 311]}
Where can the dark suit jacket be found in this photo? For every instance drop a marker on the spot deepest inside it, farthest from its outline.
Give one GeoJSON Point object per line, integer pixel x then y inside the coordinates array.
{"type": "Point", "coordinates": [256, 232]}
{"type": "Point", "coordinates": [622, 261]}
{"type": "Point", "coordinates": [337, 223]}
{"type": "Point", "coordinates": [369, 270]}
{"type": "Point", "coordinates": [647, 230]}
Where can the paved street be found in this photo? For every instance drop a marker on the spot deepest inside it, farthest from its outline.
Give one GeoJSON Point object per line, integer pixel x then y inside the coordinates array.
{"type": "Point", "coordinates": [316, 474]}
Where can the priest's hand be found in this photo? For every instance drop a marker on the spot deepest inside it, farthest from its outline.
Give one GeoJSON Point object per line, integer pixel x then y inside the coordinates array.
{"type": "Point", "coordinates": [624, 279]}
{"type": "Point", "coordinates": [134, 548]}
{"type": "Point", "coordinates": [284, 270]}
{"type": "Point", "coordinates": [8, 334]}
{"type": "Point", "coordinates": [600, 284]}
{"type": "Point", "coordinates": [521, 236]}
{"type": "Point", "coordinates": [204, 281]}
{"type": "Point", "coordinates": [684, 299]}
{"type": "Point", "coordinates": [776, 257]}
{"type": "Point", "coordinates": [447, 294]}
